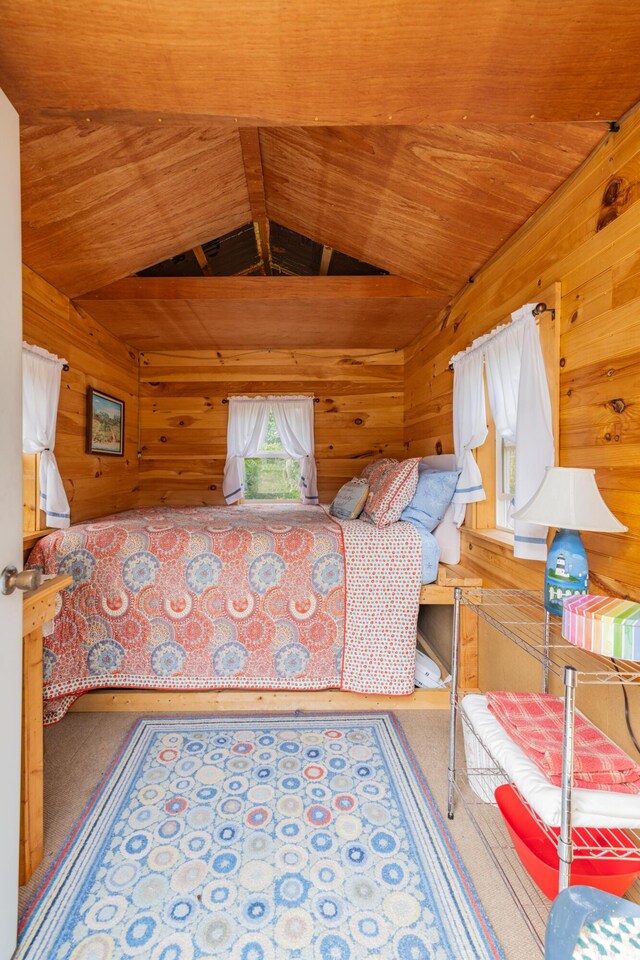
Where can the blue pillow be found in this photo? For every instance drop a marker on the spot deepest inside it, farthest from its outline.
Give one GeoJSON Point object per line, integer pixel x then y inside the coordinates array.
{"type": "Point", "coordinates": [432, 497]}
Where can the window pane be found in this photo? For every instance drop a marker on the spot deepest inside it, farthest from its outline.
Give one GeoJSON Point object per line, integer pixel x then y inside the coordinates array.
{"type": "Point", "coordinates": [508, 468]}
{"type": "Point", "coordinates": [272, 478]}
{"type": "Point", "coordinates": [505, 482]}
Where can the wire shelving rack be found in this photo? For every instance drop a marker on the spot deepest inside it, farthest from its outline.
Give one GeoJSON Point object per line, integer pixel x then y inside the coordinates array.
{"type": "Point", "coordinates": [520, 616]}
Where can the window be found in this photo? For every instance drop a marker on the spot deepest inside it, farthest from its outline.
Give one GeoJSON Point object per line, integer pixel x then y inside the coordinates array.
{"type": "Point", "coordinates": [497, 457]}
{"type": "Point", "coordinates": [41, 373]}
{"type": "Point", "coordinates": [505, 482]}
{"type": "Point", "coordinates": [270, 450]}
{"type": "Point", "coordinates": [271, 474]}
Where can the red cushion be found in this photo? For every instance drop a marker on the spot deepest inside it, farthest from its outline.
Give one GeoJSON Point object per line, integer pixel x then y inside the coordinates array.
{"type": "Point", "coordinates": [375, 466]}
{"type": "Point", "coordinates": [391, 489]}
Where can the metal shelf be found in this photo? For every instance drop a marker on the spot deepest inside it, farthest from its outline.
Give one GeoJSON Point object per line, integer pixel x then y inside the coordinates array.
{"type": "Point", "coordinates": [532, 905]}
{"type": "Point", "coordinates": [520, 616]}
{"type": "Point", "coordinates": [589, 842]}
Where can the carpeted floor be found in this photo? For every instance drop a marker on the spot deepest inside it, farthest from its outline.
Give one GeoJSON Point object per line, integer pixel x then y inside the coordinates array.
{"type": "Point", "coordinates": [79, 748]}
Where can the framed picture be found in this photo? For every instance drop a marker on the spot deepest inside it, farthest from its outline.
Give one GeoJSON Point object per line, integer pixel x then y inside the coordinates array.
{"type": "Point", "coordinates": [105, 424]}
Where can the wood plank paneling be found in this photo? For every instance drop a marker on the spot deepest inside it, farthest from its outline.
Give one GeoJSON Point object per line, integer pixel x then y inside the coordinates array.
{"type": "Point", "coordinates": [227, 313]}
{"type": "Point", "coordinates": [588, 240]}
{"type": "Point", "coordinates": [184, 422]}
{"type": "Point", "coordinates": [95, 485]}
{"type": "Point", "coordinates": [100, 202]}
{"type": "Point", "coordinates": [429, 203]}
{"type": "Point", "coordinates": [341, 63]}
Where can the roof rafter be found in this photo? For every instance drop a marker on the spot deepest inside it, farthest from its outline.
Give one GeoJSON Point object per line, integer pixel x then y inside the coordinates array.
{"type": "Point", "coordinates": [252, 160]}
{"type": "Point", "coordinates": [260, 288]}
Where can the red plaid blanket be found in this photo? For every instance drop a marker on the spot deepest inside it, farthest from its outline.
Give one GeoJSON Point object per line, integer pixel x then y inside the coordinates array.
{"type": "Point", "coordinates": [534, 721]}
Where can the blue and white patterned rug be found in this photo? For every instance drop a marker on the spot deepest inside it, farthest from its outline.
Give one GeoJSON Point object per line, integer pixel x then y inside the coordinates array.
{"type": "Point", "coordinates": [260, 838]}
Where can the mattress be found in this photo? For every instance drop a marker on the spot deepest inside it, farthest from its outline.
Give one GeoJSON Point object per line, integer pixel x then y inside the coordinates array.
{"type": "Point", "coordinates": [430, 554]}
{"type": "Point", "coordinates": [591, 808]}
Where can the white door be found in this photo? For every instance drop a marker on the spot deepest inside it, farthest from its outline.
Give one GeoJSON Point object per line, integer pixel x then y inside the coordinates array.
{"type": "Point", "coordinates": [10, 519]}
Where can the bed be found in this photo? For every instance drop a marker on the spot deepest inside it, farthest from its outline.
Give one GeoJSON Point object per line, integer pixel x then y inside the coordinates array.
{"type": "Point", "coordinates": [269, 597]}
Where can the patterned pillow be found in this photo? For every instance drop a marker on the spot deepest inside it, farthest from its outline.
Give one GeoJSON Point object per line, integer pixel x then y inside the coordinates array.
{"type": "Point", "coordinates": [390, 490]}
{"type": "Point", "coordinates": [375, 466]}
{"type": "Point", "coordinates": [350, 499]}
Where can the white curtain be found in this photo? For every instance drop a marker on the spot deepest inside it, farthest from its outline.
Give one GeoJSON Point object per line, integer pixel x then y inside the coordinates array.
{"type": "Point", "coordinates": [521, 408]}
{"type": "Point", "coordinates": [535, 449]}
{"type": "Point", "coordinates": [294, 420]}
{"type": "Point", "coordinates": [469, 428]}
{"type": "Point", "coordinates": [41, 375]}
{"type": "Point", "coordinates": [246, 431]}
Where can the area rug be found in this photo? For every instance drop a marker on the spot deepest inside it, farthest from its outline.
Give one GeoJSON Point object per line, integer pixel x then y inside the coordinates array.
{"type": "Point", "coordinates": [261, 838]}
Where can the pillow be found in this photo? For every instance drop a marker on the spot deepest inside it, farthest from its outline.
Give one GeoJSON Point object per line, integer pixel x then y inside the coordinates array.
{"type": "Point", "coordinates": [375, 466]}
{"type": "Point", "coordinates": [391, 489]}
{"type": "Point", "coordinates": [434, 491]}
{"type": "Point", "coordinates": [350, 499]}
{"type": "Point", "coordinates": [447, 536]}
{"type": "Point", "coordinates": [440, 461]}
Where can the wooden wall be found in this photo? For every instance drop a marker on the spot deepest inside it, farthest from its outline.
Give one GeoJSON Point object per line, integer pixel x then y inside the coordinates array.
{"type": "Point", "coordinates": [95, 485]}
{"type": "Point", "coordinates": [184, 422]}
{"type": "Point", "coordinates": [588, 240]}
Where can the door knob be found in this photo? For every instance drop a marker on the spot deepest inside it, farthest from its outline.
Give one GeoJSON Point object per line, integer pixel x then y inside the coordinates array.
{"type": "Point", "coordinates": [11, 580]}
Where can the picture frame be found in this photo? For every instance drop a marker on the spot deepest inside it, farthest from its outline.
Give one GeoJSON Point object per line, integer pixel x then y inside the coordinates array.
{"type": "Point", "coordinates": [105, 424]}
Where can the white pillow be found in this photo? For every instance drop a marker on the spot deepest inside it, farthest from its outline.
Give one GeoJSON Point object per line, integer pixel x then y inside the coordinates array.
{"type": "Point", "coordinates": [447, 537]}
{"type": "Point", "coordinates": [441, 461]}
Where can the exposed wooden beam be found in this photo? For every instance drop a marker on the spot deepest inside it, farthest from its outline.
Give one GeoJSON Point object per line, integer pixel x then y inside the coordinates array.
{"type": "Point", "coordinates": [252, 160]}
{"type": "Point", "coordinates": [325, 260]}
{"type": "Point", "coordinates": [260, 288]}
{"type": "Point", "coordinates": [219, 313]}
{"type": "Point", "coordinates": [203, 263]}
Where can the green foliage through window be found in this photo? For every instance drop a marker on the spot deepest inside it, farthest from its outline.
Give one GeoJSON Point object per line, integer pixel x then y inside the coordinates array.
{"type": "Point", "coordinates": [272, 479]}
{"type": "Point", "coordinates": [275, 477]}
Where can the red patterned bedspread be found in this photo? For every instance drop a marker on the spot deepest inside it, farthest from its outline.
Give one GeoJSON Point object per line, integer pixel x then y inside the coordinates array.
{"type": "Point", "coordinates": [228, 597]}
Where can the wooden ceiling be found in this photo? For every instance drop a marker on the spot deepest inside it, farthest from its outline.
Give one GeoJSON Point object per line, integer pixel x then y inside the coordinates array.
{"type": "Point", "coordinates": [218, 313]}
{"type": "Point", "coordinates": [102, 201]}
{"type": "Point", "coordinates": [334, 63]}
{"type": "Point", "coordinates": [429, 203]}
{"type": "Point", "coordinates": [417, 135]}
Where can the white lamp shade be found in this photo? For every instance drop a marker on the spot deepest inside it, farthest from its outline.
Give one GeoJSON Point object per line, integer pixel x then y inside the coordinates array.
{"type": "Point", "coordinates": [568, 498]}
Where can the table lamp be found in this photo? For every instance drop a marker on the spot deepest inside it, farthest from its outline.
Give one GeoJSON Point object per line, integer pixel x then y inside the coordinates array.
{"type": "Point", "coordinates": [568, 499]}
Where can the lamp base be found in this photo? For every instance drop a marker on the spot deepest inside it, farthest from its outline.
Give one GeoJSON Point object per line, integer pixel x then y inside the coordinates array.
{"type": "Point", "coordinates": [567, 572]}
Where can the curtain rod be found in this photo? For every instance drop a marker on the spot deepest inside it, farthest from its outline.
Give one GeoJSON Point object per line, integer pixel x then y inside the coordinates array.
{"type": "Point", "coordinates": [537, 310]}
{"type": "Point", "coordinates": [45, 354]}
{"type": "Point", "coordinates": [315, 399]}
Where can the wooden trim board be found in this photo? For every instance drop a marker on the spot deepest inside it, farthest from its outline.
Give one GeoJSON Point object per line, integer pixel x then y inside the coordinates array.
{"type": "Point", "coordinates": [449, 577]}
{"type": "Point", "coordinates": [38, 606]}
{"type": "Point", "coordinates": [252, 701]}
